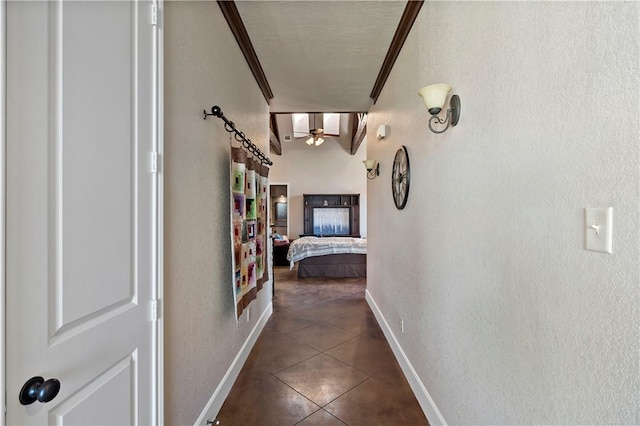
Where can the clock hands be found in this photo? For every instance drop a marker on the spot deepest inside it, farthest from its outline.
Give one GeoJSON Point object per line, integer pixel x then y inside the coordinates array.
{"type": "Point", "coordinates": [401, 177]}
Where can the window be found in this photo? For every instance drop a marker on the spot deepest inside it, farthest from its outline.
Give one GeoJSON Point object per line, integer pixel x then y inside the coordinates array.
{"type": "Point", "coordinates": [328, 121]}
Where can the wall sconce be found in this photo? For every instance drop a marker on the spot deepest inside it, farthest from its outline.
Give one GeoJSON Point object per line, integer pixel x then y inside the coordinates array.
{"type": "Point", "coordinates": [373, 168]}
{"type": "Point", "coordinates": [434, 97]}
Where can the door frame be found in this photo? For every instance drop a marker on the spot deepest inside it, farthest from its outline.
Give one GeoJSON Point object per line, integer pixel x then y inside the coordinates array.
{"type": "Point", "coordinates": [158, 214]}
{"type": "Point", "coordinates": [3, 206]}
{"type": "Point", "coordinates": [158, 126]}
{"type": "Point", "coordinates": [272, 219]}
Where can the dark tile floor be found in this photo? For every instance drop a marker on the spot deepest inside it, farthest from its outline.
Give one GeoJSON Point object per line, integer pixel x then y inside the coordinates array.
{"type": "Point", "coordinates": [320, 360]}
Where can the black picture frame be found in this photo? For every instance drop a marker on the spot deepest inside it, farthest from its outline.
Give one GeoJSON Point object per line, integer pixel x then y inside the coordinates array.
{"type": "Point", "coordinates": [281, 211]}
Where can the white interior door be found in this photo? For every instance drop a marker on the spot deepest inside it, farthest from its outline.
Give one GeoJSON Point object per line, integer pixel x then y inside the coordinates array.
{"type": "Point", "coordinates": [80, 211]}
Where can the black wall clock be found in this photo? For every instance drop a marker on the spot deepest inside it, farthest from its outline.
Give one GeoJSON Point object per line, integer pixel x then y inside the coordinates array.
{"type": "Point", "coordinates": [401, 177]}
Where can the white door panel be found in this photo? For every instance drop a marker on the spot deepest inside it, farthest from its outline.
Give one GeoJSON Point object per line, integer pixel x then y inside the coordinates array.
{"type": "Point", "coordinates": [80, 210]}
{"type": "Point", "coordinates": [117, 384]}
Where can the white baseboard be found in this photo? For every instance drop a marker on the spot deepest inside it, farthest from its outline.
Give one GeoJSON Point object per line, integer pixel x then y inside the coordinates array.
{"type": "Point", "coordinates": [214, 405]}
{"type": "Point", "coordinates": [424, 399]}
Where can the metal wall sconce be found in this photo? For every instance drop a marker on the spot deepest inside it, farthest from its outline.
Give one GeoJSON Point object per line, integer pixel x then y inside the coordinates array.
{"type": "Point", "coordinates": [434, 97]}
{"type": "Point", "coordinates": [373, 168]}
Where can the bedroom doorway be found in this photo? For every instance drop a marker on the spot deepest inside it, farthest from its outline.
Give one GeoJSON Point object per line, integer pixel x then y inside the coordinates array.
{"type": "Point", "coordinates": [279, 196]}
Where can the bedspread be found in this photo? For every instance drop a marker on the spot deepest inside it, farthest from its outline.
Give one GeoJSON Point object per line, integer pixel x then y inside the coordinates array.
{"type": "Point", "coordinates": [314, 246]}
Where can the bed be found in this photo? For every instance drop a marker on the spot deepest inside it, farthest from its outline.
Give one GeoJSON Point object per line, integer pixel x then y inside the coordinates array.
{"type": "Point", "coordinates": [329, 257]}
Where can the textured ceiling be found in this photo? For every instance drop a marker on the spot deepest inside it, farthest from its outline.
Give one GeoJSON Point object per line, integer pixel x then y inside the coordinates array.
{"type": "Point", "coordinates": [321, 56]}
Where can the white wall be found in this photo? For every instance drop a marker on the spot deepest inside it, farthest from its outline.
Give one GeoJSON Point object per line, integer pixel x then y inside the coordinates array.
{"type": "Point", "coordinates": [508, 320]}
{"type": "Point", "coordinates": [203, 67]}
{"type": "Point", "coordinates": [326, 169]}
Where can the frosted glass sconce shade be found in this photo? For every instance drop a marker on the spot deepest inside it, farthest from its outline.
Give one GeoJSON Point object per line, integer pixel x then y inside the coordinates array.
{"type": "Point", "coordinates": [370, 164]}
{"type": "Point", "coordinates": [373, 168]}
{"type": "Point", "coordinates": [434, 97]}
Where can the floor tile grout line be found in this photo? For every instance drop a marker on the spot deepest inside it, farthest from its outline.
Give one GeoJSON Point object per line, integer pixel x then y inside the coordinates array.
{"type": "Point", "coordinates": [323, 406]}
{"type": "Point", "coordinates": [322, 409]}
{"type": "Point", "coordinates": [347, 311]}
{"type": "Point", "coordinates": [294, 364]}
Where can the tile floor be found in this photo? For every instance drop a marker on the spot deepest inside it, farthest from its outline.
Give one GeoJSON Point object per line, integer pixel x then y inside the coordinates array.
{"type": "Point", "coordinates": [320, 360]}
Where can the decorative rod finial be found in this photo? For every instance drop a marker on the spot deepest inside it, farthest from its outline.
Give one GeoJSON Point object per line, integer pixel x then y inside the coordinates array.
{"type": "Point", "coordinates": [215, 110]}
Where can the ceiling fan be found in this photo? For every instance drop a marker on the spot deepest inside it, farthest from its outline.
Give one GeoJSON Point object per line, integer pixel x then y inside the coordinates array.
{"type": "Point", "coordinates": [316, 135]}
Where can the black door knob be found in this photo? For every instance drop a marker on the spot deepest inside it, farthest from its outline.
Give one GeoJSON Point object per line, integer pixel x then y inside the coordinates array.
{"type": "Point", "coordinates": [36, 389]}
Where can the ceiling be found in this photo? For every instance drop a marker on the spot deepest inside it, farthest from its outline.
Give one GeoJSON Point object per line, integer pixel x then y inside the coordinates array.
{"type": "Point", "coordinates": [319, 56]}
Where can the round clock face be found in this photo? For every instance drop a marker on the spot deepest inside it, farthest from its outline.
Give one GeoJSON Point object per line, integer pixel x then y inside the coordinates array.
{"type": "Point", "coordinates": [400, 177]}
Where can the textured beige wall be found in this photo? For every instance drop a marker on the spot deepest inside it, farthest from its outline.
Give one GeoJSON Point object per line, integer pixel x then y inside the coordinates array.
{"type": "Point", "coordinates": [508, 320]}
{"type": "Point", "coordinates": [203, 67]}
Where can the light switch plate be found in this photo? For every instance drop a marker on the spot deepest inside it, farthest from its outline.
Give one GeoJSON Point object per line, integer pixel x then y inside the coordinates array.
{"type": "Point", "coordinates": [598, 229]}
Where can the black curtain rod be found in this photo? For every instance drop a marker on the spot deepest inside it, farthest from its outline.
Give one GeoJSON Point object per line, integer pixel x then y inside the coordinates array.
{"type": "Point", "coordinates": [230, 127]}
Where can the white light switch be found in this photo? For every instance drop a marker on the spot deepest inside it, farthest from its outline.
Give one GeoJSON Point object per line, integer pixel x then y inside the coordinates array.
{"type": "Point", "coordinates": [598, 229]}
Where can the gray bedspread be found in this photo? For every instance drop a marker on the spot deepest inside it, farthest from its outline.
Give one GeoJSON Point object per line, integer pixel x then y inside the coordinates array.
{"type": "Point", "coordinates": [314, 246]}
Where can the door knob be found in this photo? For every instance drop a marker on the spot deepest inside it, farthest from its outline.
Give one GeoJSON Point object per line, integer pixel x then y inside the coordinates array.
{"type": "Point", "coordinates": [36, 389]}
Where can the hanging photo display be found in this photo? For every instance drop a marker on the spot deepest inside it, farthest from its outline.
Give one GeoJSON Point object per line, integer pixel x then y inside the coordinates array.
{"type": "Point", "coordinates": [249, 183]}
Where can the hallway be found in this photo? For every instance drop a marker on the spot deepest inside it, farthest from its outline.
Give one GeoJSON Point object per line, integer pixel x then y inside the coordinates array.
{"type": "Point", "coordinates": [320, 360]}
